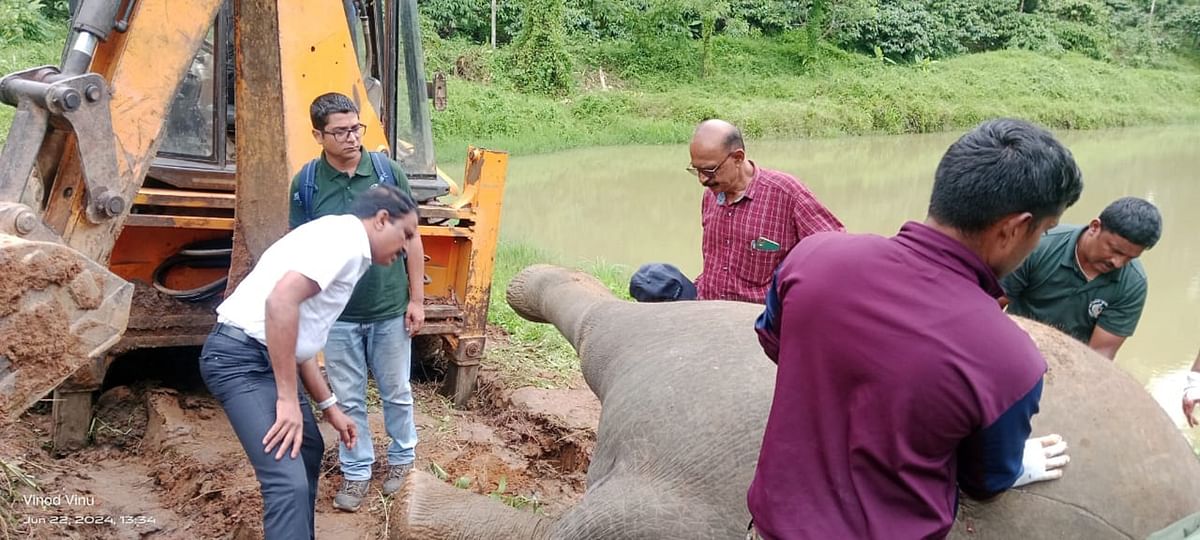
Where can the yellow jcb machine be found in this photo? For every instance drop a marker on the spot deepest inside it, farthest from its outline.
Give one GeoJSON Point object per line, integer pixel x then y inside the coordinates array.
{"type": "Point", "coordinates": [124, 220]}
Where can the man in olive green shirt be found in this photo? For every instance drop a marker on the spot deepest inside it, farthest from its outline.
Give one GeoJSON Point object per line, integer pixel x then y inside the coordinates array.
{"type": "Point", "coordinates": [1086, 280]}
{"type": "Point", "coordinates": [387, 308]}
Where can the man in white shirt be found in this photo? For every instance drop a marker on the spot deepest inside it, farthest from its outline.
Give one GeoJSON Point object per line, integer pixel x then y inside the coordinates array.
{"type": "Point", "coordinates": [268, 332]}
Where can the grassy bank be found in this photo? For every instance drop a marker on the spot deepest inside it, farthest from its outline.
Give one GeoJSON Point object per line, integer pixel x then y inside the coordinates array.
{"type": "Point", "coordinates": [768, 88]}
{"type": "Point", "coordinates": [536, 353]}
{"type": "Point", "coordinates": [23, 55]}
{"type": "Point", "coordinates": [765, 88]}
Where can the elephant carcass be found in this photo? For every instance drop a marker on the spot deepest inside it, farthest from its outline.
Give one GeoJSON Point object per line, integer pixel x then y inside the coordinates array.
{"type": "Point", "coordinates": [685, 391]}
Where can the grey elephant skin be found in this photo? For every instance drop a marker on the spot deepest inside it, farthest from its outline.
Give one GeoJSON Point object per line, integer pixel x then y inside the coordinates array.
{"type": "Point", "coordinates": [685, 391]}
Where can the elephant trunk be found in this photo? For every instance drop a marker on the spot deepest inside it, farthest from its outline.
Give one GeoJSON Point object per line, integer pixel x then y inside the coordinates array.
{"type": "Point", "coordinates": [429, 509]}
{"type": "Point", "coordinates": [555, 295]}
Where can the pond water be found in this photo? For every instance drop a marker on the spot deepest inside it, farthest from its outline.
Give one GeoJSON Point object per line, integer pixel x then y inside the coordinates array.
{"type": "Point", "coordinates": [634, 204]}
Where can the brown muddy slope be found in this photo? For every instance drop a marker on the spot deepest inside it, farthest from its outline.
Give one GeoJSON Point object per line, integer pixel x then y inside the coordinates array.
{"type": "Point", "coordinates": [165, 464]}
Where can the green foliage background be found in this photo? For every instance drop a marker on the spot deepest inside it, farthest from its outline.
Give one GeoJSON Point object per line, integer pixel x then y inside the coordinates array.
{"type": "Point", "coordinates": [539, 62]}
{"type": "Point", "coordinates": [587, 72]}
{"type": "Point", "coordinates": [644, 71]}
{"type": "Point", "coordinates": [908, 30]}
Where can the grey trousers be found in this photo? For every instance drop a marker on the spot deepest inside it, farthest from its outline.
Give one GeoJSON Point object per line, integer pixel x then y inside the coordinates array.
{"type": "Point", "coordinates": [237, 371]}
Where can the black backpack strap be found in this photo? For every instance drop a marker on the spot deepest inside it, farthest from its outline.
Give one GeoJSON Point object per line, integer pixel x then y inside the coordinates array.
{"type": "Point", "coordinates": [308, 188]}
{"type": "Point", "coordinates": [383, 169]}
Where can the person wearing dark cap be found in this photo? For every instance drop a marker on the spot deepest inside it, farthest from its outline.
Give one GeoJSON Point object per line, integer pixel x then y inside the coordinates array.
{"type": "Point", "coordinates": [660, 282]}
{"type": "Point", "coordinates": [1086, 280]}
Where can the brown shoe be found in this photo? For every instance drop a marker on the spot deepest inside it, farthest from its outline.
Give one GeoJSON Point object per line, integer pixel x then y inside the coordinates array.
{"type": "Point", "coordinates": [395, 478]}
{"type": "Point", "coordinates": [350, 497]}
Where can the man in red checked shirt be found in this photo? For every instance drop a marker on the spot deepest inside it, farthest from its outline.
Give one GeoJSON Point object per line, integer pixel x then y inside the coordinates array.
{"type": "Point", "coordinates": [752, 216]}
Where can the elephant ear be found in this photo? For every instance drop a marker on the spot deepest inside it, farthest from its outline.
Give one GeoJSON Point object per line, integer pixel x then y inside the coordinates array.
{"type": "Point", "coordinates": [1131, 472]}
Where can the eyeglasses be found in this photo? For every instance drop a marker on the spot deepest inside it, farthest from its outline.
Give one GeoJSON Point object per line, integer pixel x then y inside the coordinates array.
{"type": "Point", "coordinates": [343, 134]}
{"type": "Point", "coordinates": [709, 173]}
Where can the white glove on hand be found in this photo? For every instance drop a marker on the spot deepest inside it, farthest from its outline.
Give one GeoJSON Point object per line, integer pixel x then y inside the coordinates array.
{"type": "Point", "coordinates": [1044, 459]}
{"type": "Point", "coordinates": [1191, 398]}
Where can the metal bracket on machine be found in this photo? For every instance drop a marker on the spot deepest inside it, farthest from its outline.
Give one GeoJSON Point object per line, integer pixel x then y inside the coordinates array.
{"type": "Point", "coordinates": [83, 101]}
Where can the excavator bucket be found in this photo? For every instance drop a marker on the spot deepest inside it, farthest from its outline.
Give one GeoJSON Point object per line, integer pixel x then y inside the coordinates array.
{"type": "Point", "coordinates": [59, 310]}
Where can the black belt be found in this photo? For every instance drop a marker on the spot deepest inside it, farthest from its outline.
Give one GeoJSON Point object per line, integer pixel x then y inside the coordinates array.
{"type": "Point", "coordinates": [236, 334]}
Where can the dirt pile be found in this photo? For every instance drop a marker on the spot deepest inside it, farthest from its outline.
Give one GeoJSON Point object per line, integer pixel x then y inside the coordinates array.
{"type": "Point", "coordinates": [57, 310]}
{"type": "Point", "coordinates": [529, 448]}
{"type": "Point", "coordinates": [165, 464]}
{"type": "Point", "coordinates": [28, 269]}
{"type": "Point", "coordinates": [120, 419]}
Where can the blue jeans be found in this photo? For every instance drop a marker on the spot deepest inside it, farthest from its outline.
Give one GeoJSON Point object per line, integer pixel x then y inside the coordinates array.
{"type": "Point", "coordinates": [384, 347]}
{"type": "Point", "coordinates": [238, 372]}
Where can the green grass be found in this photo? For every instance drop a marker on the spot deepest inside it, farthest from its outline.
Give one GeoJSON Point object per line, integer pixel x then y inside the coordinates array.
{"type": "Point", "coordinates": [500, 493]}
{"type": "Point", "coordinates": [13, 480]}
{"type": "Point", "coordinates": [763, 87]}
{"type": "Point", "coordinates": [537, 354]}
{"type": "Point", "coordinates": [520, 502]}
{"type": "Point", "coordinates": [24, 55]}
{"type": "Point", "coordinates": [768, 89]}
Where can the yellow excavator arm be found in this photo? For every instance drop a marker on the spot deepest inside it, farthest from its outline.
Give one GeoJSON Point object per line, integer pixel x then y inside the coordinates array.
{"type": "Point", "coordinates": [167, 138]}
{"type": "Point", "coordinates": [81, 142]}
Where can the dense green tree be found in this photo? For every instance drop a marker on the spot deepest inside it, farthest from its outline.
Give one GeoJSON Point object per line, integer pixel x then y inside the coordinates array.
{"type": "Point", "coordinates": [1186, 22]}
{"type": "Point", "coordinates": [540, 62]}
{"type": "Point", "coordinates": [471, 19]}
{"type": "Point", "coordinates": [681, 39]}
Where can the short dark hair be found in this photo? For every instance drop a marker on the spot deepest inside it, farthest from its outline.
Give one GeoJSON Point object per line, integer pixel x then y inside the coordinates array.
{"type": "Point", "coordinates": [327, 104]}
{"type": "Point", "coordinates": [1133, 219]}
{"type": "Point", "coordinates": [382, 197]}
{"type": "Point", "coordinates": [733, 141]}
{"type": "Point", "coordinates": [1003, 167]}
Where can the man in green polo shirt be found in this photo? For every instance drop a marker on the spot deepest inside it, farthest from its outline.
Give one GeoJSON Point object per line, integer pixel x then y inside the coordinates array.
{"type": "Point", "coordinates": [387, 308]}
{"type": "Point", "coordinates": [1086, 280]}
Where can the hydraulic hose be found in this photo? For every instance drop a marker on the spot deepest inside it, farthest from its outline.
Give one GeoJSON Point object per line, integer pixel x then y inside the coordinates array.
{"type": "Point", "coordinates": [194, 256]}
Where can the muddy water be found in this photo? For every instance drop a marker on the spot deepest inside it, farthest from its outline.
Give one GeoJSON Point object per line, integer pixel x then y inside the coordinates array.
{"type": "Point", "coordinates": [635, 204]}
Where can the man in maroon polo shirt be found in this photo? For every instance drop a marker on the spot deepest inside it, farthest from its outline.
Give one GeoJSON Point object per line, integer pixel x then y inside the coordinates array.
{"type": "Point", "coordinates": [752, 217]}
{"type": "Point", "coordinates": [900, 380]}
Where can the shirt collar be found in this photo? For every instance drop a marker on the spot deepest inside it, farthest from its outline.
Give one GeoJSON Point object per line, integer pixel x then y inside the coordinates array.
{"type": "Point", "coordinates": [365, 168]}
{"type": "Point", "coordinates": [751, 189]}
{"type": "Point", "coordinates": [1070, 261]}
{"type": "Point", "coordinates": [950, 253]}
{"type": "Point", "coordinates": [1068, 256]}
{"type": "Point", "coordinates": [365, 240]}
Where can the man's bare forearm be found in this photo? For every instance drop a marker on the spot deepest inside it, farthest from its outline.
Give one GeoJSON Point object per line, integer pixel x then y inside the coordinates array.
{"type": "Point", "coordinates": [283, 323]}
{"type": "Point", "coordinates": [310, 375]}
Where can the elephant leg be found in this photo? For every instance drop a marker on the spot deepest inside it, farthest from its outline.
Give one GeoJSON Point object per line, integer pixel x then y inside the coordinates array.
{"type": "Point", "coordinates": [629, 507]}
{"type": "Point", "coordinates": [429, 509]}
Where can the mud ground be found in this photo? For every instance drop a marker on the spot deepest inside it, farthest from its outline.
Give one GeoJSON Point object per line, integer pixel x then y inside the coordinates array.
{"type": "Point", "coordinates": [165, 464]}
